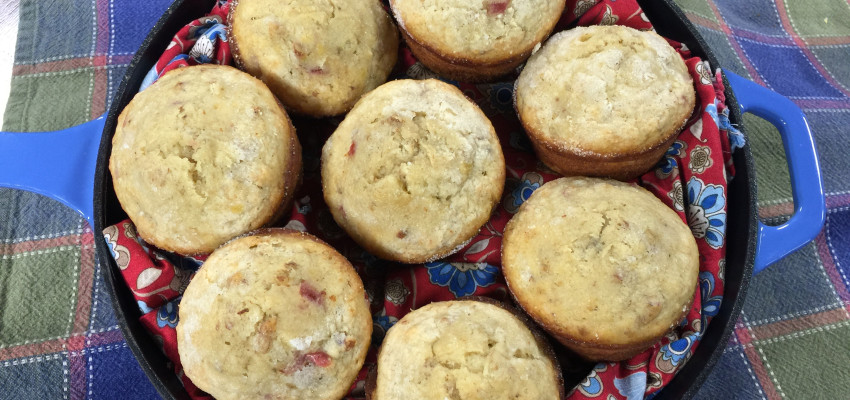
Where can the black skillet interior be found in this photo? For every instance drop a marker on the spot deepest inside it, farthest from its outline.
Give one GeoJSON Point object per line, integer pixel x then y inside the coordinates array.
{"type": "Point", "coordinates": [669, 21]}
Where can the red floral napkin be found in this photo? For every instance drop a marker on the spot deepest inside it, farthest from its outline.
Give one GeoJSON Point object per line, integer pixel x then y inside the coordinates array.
{"type": "Point", "coordinates": [691, 179]}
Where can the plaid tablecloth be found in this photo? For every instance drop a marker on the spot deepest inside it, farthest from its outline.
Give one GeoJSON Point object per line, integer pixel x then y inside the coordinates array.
{"type": "Point", "coordinates": [59, 337]}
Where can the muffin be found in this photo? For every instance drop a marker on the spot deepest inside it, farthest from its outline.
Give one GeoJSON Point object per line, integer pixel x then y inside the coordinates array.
{"type": "Point", "coordinates": [475, 41]}
{"type": "Point", "coordinates": [603, 266]}
{"type": "Point", "coordinates": [413, 171]}
{"type": "Point", "coordinates": [274, 315]}
{"type": "Point", "coordinates": [204, 154]}
{"type": "Point", "coordinates": [317, 56]}
{"type": "Point", "coordinates": [604, 101]}
{"type": "Point", "coordinates": [472, 349]}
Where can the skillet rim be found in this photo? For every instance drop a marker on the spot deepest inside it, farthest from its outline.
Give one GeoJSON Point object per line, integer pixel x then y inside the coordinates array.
{"type": "Point", "coordinates": [156, 366]}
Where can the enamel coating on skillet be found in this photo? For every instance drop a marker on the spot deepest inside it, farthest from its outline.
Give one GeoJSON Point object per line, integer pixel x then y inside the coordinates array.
{"type": "Point", "coordinates": [669, 21]}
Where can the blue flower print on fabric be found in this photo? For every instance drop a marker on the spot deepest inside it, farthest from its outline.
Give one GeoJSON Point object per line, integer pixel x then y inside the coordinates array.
{"type": "Point", "coordinates": [721, 119]}
{"type": "Point", "coordinates": [381, 323]}
{"type": "Point", "coordinates": [111, 242]}
{"type": "Point", "coordinates": [144, 307]}
{"type": "Point", "coordinates": [461, 278]}
{"type": "Point", "coordinates": [207, 34]}
{"type": "Point", "coordinates": [710, 304]}
{"type": "Point", "coordinates": [711, 109]}
{"type": "Point", "coordinates": [591, 386]}
{"type": "Point", "coordinates": [736, 138]}
{"type": "Point", "coordinates": [524, 191]}
{"type": "Point", "coordinates": [386, 322]}
{"type": "Point", "coordinates": [676, 351]}
{"type": "Point", "coordinates": [529, 182]}
{"type": "Point", "coordinates": [669, 165]}
{"type": "Point", "coordinates": [633, 386]}
{"type": "Point", "coordinates": [167, 314]}
{"type": "Point", "coordinates": [202, 51]}
{"type": "Point", "coordinates": [705, 211]}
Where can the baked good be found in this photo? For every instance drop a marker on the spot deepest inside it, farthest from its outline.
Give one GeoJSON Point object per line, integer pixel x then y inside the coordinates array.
{"type": "Point", "coordinates": [603, 266]}
{"type": "Point", "coordinates": [475, 41]}
{"type": "Point", "coordinates": [471, 349]}
{"type": "Point", "coordinates": [413, 171]}
{"type": "Point", "coordinates": [204, 154]}
{"type": "Point", "coordinates": [317, 56]}
{"type": "Point", "coordinates": [277, 314]}
{"type": "Point", "coordinates": [604, 100]}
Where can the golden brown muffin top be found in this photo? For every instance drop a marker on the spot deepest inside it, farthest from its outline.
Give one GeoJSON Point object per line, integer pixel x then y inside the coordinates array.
{"type": "Point", "coordinates": [600, 261]}
{"type": "Point", "coordinates": [485, 31]}
{"type": "Point", "coordinates": [317, 56]}
{"type": "Point", "coordinates": [413, 171]}
{"type": "Point", "coordinates": [464, 350]}
{"type": "Point", "coordinates": [605, 90]}
{"type": "Point", "coordinates": [201, 156]}
{"type": "Point", "coordinates": [277, 314]}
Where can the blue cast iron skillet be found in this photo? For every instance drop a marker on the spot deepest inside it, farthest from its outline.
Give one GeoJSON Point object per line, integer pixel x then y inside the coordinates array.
{"type": "Point", "coordinates": [78, 158]}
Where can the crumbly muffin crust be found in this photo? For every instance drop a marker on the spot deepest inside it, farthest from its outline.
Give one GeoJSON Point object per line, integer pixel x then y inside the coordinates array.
{"type": "Point", "coordinates": [276, 314]}
{"type": "Point", "coordinates": [317, 56]}
{"type": "Point", "coordinates": [475, 41]}
{"type": "Point", "coordinates": [602, 265]}
{"type": "Point", "coordinates": [600, 95]}
{"type": "Point", "coordinates": [204, 154]}
{"type": "Point", "coordinates": [413, 171]}
{"type": "Point", "coordinates": [465, 349]}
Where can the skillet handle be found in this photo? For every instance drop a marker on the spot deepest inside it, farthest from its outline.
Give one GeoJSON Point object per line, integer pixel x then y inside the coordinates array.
{"type": "Point", "coordinates": [776, 242]}
{"type": "Point", "coordinates": [58, 164]}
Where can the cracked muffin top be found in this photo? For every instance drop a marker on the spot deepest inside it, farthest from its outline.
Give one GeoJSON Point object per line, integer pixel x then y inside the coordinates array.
{"type": "Point", "coordinates": [602, 265]}
{"type": "Point", "coordinates": [204, 154]}
{"type": "Point", "coordinates": [604, 90]}
{"type": "Point", "coordinates": [413, 171]}
{"type": "Point", "coordinates": [465, 349]}
{"type": "Point", "coordinates": [274, 315]}
{"type": "Point", "coordinates": [317, 56]}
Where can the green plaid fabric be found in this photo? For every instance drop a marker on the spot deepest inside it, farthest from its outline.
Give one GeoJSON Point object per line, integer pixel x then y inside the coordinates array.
{"type": "Point", "coordinates": [59, 337]}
